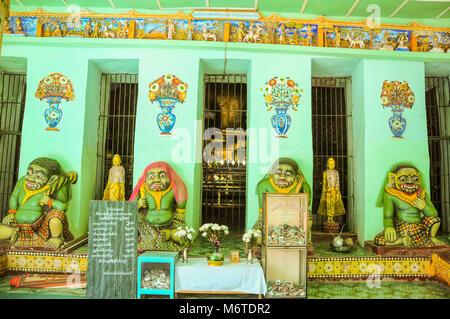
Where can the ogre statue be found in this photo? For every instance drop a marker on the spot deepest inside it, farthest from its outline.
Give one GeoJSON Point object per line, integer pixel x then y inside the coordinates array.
{"type": "Point", "coordinates": [283, 177]}
{"type": "Point", "coordinates": [161, 196]}
{"type": "Point", "coordinates": [410, 218]}
{"type": "Point", "coordinates": [37, 206]}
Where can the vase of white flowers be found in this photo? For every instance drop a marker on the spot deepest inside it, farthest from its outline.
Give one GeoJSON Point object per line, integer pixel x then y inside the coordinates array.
{"type": "Point", "coordinates": [251, 239]}
{"type": "Point", "coordinates": [186, 236]}
{"type": "Point", "coordinates": [215, 234]}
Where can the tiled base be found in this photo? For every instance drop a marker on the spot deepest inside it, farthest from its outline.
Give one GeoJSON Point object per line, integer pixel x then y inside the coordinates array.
{"type": "Point", "coordinates": [46, 262]}
{"type": "Point", "coordinates": [3, 263]}
{"type": "Point", "coordinates": [361, 267]}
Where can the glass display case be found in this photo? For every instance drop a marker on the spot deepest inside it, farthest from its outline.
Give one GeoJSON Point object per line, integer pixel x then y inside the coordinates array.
{"type": "Point", "coordinates": [285, 271]}
{"type": "Point", "coordinates": [285, 220]}
{"type": "Point", "coordinates": [156, 271]}
{"type": "Point", "coordinates": [284, 249]}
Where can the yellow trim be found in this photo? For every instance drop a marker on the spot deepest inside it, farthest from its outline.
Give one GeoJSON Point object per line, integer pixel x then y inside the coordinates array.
{"type": "Point", "coordinates": [286, 190]}
{"type": "Point", "coordinates": [158, 195]}
{"type": "Point", "coordinates": [29, 194]}
{"type": "Point", "coordinates": [403, 196]}
{"type": "Point", "coordinates": [180, 210]}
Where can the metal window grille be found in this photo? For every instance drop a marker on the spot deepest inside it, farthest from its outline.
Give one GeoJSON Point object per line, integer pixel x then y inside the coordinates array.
{"type": "Point", "coordinates": [438, 124]}
{"type": "Point", "coordinates": [117, 121]}
{"type": "Point", "coordinates": [332, 128]}
{"type": "Point", "coordinates": [224, 180]}
{"type": "Point", "coordinates": [13, 92]}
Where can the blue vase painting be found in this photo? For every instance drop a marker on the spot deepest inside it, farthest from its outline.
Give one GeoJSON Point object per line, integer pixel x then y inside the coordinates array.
{"type": "Point", "coordinates": [166, 119]}
{"type": "Point", "coordinates": [54, 88]}
{"type": "Point", "coordinates": [167, 90]}
{"type": "Point", "coordinates": [397, 123]}
{"type": "Point", "coordinates": [53, 114]}
{"type": "Point", "coordinates": [281, 94]}
{"type": "Point", "coordinates": [398, 97]}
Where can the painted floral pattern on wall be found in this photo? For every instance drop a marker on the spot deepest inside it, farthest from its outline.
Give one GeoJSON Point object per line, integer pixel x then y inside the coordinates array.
{"type": "Point", "coordinates": [167, 90]}
{"type": "Point", "coordinates": [54, 88]}
{"type": "Point", "coordinates": [398, 96]}
{"type": "Point", "coordinates": [281, 94]}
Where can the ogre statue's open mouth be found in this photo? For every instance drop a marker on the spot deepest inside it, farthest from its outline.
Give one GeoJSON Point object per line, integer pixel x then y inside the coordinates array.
{"type": "Point", "coordinates": [282, 183]}
{"type": "Point", "coordinates": [156, 186]}
{"type": "Point", "coordinates": [30, 185]}
{"type": "Point", "coordinates": [409, 188]}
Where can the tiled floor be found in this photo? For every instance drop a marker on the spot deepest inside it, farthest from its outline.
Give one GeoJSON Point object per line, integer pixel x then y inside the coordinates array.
{"type": "Point", "coordinates": [388, 288]}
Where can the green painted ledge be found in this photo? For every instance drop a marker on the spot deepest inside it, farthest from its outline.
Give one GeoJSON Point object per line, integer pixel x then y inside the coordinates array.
{"type": "Point", "coordinates": [229, 46]}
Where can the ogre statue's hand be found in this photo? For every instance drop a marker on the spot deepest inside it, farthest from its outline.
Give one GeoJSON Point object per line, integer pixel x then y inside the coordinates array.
{"type": "Point", "coordinates": [420, 203]}
{"type": "Point", "coordinates": [142, 202]}
{"type": "Point", "coordinates": [390, 234]}
{"type": "Point", "coordinates": [45, 199]}
{"type": "Point", "coordinates": [9, 219]}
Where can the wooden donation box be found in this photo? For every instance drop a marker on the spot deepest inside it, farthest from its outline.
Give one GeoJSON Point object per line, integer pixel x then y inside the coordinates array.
{"type": "Point", "coordinates": [284, 249]}
{"type": "Point", "coordinates": [156, 273]}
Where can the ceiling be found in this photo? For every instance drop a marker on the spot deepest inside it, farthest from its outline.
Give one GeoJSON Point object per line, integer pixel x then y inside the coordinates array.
{"type": "Point", "coordinates": [427, 12]}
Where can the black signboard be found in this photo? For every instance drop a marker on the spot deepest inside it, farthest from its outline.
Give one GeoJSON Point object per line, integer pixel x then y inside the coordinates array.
{"type": "Point", "coordinates": [112, 256]}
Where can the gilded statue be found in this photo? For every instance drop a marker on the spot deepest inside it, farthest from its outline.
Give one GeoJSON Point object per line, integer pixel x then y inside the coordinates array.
{"type": "Point", "coordinates": [331, 200]}
{"type": "Point", "coordinates": [115, 189]}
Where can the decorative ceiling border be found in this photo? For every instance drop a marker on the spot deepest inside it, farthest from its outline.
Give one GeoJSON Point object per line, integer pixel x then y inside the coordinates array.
{"type": "Point", "coordinates": [231, 26]}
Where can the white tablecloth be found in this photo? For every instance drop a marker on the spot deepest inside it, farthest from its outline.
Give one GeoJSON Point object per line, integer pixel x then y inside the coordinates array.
{"type": "Point", "coordinates": [196, 275]}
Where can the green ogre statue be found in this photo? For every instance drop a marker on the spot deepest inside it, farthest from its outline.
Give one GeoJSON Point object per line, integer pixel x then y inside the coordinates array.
{"type": "Point", "coordinates": [410, 218]}
{"type": "Point", "coordinates": [37, 205]}
{"type": "Point", "coordinates": [284, 176]}
{"type": "Point", "coordinates": [162, 197]}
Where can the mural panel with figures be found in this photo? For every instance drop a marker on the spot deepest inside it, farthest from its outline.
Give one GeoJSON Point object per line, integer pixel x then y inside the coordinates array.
{"type": "Point", "coordinates": [236, 26]}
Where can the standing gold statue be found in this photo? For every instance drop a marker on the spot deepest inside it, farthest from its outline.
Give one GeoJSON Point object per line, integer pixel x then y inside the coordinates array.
{"type": "Point", "coordinates": [115, 189]}
{"type": "Point", "coordinates": [331, 201]}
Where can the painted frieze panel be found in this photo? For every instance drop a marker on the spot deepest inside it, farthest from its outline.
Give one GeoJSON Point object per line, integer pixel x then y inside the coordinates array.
{"type": "Point", "coordinates": [231, 26]}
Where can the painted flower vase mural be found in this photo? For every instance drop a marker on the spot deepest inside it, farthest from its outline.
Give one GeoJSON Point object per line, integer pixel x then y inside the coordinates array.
{"type": "Point", "coordinates": [281, 94]}
{"type": "Point", "coordinates": [397, 96]}
{"type": "Point", "coordinates": [54, 88]}
{"type": "Point", "coordinates": [167, 90]}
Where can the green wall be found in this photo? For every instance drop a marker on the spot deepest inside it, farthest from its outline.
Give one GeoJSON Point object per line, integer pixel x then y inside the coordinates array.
{"type": "Point", "coordinates": [83, 61]}
{"type": "Point", "coordinates": [66, 146]}
{"type": "Point", "coordinates": [263, 146]}
{"type": "Point", "coordinates": [381, 150]}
